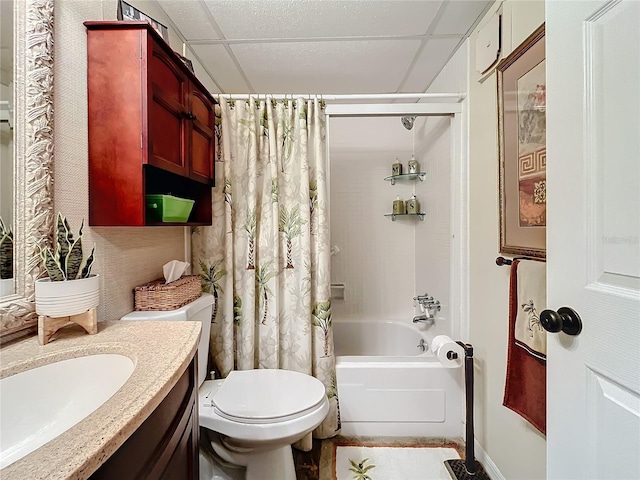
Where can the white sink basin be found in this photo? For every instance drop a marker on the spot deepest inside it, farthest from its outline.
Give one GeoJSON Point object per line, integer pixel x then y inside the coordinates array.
{"type": "Point", "coordinates": [39, 404]}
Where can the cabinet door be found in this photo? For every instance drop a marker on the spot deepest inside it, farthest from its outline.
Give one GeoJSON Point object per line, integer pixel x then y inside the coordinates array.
{"type": "Point", "coordinates": [116, 111]}
{"type": "Point", "coordinates": [202, 137]}
{"type": "Point", "coordinates": [165, 446]}
{"type": "Point", "coordinates": [184, 460]}
{"type": "Point", "coordinates": [167, 112]}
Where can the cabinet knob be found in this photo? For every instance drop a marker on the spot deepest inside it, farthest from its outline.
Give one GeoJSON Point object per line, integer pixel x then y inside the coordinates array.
{"type": "Point", "coordinates": [189, 115]}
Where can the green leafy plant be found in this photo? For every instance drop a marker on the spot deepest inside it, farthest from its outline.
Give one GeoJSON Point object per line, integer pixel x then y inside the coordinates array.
{"type": "Point", "coordinates": [6, 251]}
{"type": "Point", "coordinates": [67, 262]}
{"type": "Point", "coordinates": [360, 469]}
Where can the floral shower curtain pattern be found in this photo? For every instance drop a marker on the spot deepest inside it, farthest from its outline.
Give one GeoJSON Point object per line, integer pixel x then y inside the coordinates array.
{"type": "Point", "coordinates": [266, 257]}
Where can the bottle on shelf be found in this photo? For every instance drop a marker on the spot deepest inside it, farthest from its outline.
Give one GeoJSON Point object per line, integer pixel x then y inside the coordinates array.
{"type": "Point", "coordinates": [399, 207]}
{"type": "Point", "coordinates": [413, 205]}
{"type": "Point", "coordinates": [414, 166]}
{"type": "Point", "coordinates": [396, 168]}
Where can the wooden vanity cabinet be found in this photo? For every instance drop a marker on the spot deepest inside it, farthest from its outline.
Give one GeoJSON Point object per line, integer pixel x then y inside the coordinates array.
{"type": "Point", "coordinates": [165, 446]}
{"type": "Point", "coordinates": [151, 126]}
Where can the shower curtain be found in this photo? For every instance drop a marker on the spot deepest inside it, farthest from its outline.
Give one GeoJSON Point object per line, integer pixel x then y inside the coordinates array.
{"type": "Point", "coordinates": [266, 256]}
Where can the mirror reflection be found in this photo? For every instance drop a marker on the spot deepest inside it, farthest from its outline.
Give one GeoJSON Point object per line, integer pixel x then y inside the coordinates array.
{"type": "Point", "coordinates": [29, 204]}
{"type": "Point", "coordinates": [6, 148]}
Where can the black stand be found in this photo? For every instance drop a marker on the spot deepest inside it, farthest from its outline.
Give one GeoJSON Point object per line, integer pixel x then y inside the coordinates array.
{"type": "Point", "coordinates": [469, 468]}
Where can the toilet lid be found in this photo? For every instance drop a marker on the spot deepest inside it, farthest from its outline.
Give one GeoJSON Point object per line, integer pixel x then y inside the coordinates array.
{"type": "Point", "coordinates": [264, 396]}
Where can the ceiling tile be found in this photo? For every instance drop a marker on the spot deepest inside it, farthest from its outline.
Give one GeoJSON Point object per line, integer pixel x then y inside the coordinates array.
{"type": "Point", "coordinates": [221, 66]}
{"type": "Point", "coordinates": [326, 67]}
{"type": "Point", "coordinates": [458, 16]}
{"type": "Point", "coordinates": [191, 18]}
{"type": "Point", "coordinates": [251, 19]}
{"type": "Point", "coordinates": [289, 60]}
{"type": "Point", "coordinates": [432, 59]}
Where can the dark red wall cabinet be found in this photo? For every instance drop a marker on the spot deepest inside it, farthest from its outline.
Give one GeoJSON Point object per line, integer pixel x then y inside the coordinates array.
{"type": "Point", "coordinates": [151, 126]}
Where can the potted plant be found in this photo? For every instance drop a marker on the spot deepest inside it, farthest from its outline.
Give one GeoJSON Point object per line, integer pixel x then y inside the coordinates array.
{"type": "Point", "coordinates": [71, 289]}
{"type": "Point", "coordinates": [6, 259]}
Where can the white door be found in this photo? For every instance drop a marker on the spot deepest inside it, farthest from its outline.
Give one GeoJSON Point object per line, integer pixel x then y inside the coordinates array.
{"type": "Point", "coordinates": [593, 237]}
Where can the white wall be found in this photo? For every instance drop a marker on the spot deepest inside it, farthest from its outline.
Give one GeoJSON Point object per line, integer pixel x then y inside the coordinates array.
{"type": "Point", "coordinates": [384, 264]}
{"type": "Point", "coordinates": [517, 449]}
{"type": "Point", "coordinates": [434, 254]}
{"type": "Point", "coordinates": [432, 237]}
{"type": "Point", "coordinates": [453, 77]}
{"type": "Point", "coordinates": [376, 259]}
{"type": "Point", "coordinates": [125, 257]}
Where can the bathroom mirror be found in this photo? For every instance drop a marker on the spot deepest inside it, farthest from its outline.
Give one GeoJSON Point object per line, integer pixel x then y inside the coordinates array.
{"type": "Point", "coordinates": [32, 157]}
{"type": "Point", "coordinates": [7, 284]}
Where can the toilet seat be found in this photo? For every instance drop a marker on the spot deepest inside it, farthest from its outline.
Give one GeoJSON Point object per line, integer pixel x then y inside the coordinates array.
{"type": "Point", "coordinates": [267, 396]}
{"type": "Point", "coordinates": [264, 425]}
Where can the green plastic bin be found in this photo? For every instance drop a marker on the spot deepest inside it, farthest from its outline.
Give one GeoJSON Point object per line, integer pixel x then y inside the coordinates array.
{"type": "Point", "coordinates": [167, 208]}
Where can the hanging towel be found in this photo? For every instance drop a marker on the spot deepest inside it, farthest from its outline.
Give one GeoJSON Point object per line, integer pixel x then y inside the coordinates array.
{"type": "Point", "coordinates": [532, 299]}
{"type": "Point", "coordinates": [525, 390]}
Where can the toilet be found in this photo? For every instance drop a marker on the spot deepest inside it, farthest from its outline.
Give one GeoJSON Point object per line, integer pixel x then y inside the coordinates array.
{"type": "Point", "coordinates": [249, 420]}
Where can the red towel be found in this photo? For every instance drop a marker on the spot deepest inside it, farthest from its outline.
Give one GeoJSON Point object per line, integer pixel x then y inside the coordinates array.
{"type": "Point", "coordinates": [525, 389]}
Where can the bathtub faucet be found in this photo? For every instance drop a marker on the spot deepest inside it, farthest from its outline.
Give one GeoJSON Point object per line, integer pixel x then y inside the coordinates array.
{"type": "Point", "coordinates": [422, 300]}
{"type": "Point", "coordinates": [424, 318]}
{"type": "Point", "coordinates": [428, 305]}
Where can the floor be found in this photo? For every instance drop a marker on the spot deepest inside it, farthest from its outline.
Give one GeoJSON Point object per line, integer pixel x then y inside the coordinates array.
{"type": "Point", "coordinates": [308, 463]}
{"type": "Point", "coordinates": [318, 463]}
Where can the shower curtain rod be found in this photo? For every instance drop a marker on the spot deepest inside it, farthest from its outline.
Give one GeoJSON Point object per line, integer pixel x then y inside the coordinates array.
{"type": "Point", "coordinates": [453, 97]}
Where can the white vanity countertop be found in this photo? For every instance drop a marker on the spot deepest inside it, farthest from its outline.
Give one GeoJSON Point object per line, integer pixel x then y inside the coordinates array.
{"type": "Point", "coordinates": [161, 352]}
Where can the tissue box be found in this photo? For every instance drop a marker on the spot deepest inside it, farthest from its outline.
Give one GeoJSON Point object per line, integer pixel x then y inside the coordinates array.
{"type": "Point", "coordinates": [167, 208]}
{"type": "Point", "coordinates": [157, 295]}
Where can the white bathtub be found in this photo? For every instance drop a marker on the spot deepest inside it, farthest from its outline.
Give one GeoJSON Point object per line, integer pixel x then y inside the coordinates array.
{"type": "Point", "coordinates": [388, 387]}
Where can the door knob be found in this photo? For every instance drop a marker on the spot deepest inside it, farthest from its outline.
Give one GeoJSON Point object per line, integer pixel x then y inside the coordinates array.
{"type": "Point", "coordinates": [565, 319]}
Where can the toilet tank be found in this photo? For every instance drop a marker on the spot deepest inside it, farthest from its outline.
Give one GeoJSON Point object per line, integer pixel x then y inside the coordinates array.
{"type": "Point", "coordinates": [197, 311]}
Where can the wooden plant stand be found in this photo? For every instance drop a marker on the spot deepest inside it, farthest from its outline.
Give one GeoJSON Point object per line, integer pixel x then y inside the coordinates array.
{"type": "Point", "coordinates": [47, 326]}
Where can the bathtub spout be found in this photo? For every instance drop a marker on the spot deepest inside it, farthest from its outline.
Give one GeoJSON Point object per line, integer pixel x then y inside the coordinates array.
{"type": "Point", "coordinates": [428, 319]}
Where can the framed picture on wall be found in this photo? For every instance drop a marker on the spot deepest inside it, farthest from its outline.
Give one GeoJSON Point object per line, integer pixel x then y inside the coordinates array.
{"type": "Point", "coordinates": [131, 13]}
{"type": "Point", "coordinates": [522, 149]}
{"type": "Point", "coordinates": [188, 63]}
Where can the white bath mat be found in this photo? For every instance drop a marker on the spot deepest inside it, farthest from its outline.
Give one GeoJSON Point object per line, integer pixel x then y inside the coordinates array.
{"type": "Point", "coordinates": [392, 462]}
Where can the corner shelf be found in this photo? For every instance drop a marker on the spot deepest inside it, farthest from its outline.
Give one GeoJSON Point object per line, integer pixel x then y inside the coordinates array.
{"type": "Point", "coordinates": [394, 215]}
{"type": "Point", "coordinates": [405, 176]}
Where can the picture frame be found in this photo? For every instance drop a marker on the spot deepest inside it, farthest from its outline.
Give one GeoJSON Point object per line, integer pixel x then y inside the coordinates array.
{"type": "Point", "coordinates": [522, 148]}
{"type": "Point", "coordinates": [188, 63]}
{"type": "Point", "coordinates": [128, 12]}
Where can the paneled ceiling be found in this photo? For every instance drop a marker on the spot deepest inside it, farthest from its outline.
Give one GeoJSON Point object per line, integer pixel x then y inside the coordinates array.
{"type": "Point", "coordinates": [323, 46]}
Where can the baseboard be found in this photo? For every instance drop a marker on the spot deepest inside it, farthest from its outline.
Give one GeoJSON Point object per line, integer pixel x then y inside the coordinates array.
{"type": "Point", "coordinates": [490, 467]}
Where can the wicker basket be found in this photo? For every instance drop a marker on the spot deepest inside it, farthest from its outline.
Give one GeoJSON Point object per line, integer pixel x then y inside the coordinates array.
{"type": "Point", "coordinates": [157, 295]}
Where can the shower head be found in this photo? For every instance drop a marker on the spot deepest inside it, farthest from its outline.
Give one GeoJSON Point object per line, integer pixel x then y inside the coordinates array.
{"type": "Point", "coordinates": [407, 122]}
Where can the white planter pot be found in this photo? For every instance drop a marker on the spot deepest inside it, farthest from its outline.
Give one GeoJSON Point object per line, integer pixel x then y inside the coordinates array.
{"type": "Point", "coordinates": [7, 287]}
{"type": "Point", "coordinates": [69, 297]}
